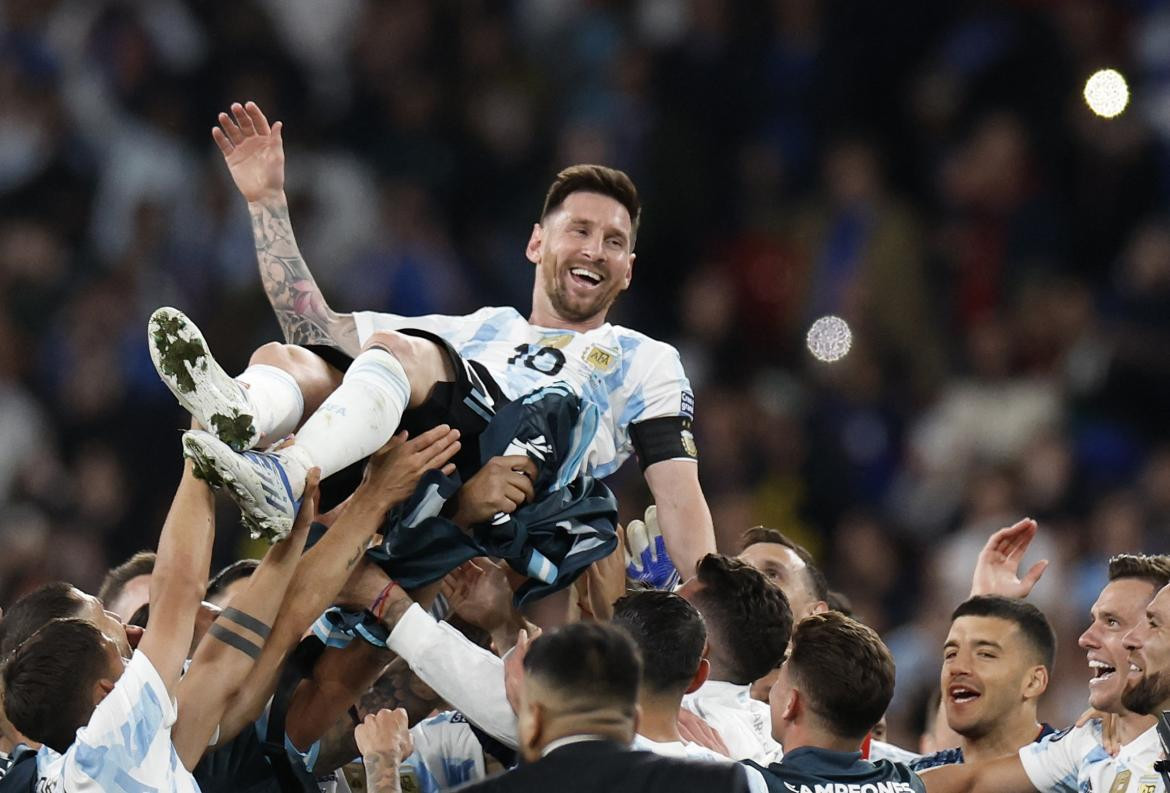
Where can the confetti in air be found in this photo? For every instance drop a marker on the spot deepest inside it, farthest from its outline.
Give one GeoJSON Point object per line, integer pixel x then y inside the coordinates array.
{"type": "Point", "coordinates": [829, 339]}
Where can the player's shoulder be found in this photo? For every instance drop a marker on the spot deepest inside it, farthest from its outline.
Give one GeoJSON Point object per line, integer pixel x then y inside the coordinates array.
{"type": "Point", "coordinates": [645, 351]}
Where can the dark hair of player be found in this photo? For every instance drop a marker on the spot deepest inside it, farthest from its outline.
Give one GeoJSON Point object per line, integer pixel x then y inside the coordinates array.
{"type": "Point", "coordinates": [817, 584]}
{"type": "Point", "coordinates": [588, 665]}
{"type": "Point", "coordinates": [241, 568]}
{"type": "Point", "coordinates": [49, 679]}
{"type": "Point", "coordinates": [141, 563]}
{"type": "Point", "coordinates": [670, 635]}
{"type": "Point", "coordinates": [1033, 624]}
{"type": "Point", "coordinates": [1154, 569]}
{"type": "Point", "coordinates": [595, 179]}
{"type": "Point", "coordinates": [845, 672]}
{"type": "Point", "coordinates": [748, 618]}
{"type": "Point", "coordinates": [54, 601]}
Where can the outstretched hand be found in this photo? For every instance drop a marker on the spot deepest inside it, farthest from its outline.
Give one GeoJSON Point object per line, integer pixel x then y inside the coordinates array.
{"type": "Point", "coordinates": [254, 151]}
{"type": "Point", "coordinates": [394, 470]}
{"type": "Point", "coordinates": [998, 568]}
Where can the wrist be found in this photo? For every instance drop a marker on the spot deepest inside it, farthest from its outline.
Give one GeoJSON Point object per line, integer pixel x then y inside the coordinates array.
{"type": "Point", "coordinates": [270, 198]}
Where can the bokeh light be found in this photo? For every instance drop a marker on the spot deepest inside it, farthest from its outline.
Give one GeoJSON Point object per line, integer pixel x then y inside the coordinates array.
{"type": "Point", "coordinates": [1107, 93]}
{"type": "Point", "coordinates": [829, 339]}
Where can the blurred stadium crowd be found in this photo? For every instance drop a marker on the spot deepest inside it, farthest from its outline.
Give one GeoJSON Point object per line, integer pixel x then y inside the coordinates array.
{"type": "Point", "coordinates": [928, 171]}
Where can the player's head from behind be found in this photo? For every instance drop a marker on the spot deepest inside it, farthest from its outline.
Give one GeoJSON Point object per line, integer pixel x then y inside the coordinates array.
{"type": "Point", "coordinates": [127, 587]}
{"type": "Point", "coordinates": [56, 677]}
{"type": "Point", "coordinates": [748, 618]}
{"type": "Point", "coordinates": [790, 567]}
{"type": "Point", "coordinates": [583, 245]}
{"type": "Point", "coordinates": [1148, 688]}
{"type": "Point", "coordinates": [59, 600]}
{"type": "Point", "coordinates": [229, 581]}
{"type": "Point", "coordinates": [835, 685]}
{"type": "Point", "coordinates": [1133, 581]}
{"type": "Point", "coordinates": [580, 679]}
{"type": "Point", "coordinates": [672, 639]}
{"type": "Point", "coordinates": [997, 661]}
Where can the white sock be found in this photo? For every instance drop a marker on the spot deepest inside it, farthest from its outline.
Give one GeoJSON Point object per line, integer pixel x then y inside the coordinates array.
{"type": "Point", "coordinates": [277, 401]}
{"type": "Point", "coordinates": [356, 420]}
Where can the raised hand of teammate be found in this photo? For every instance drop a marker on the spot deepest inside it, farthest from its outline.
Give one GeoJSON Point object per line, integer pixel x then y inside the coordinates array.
{"type": "Point", "coordinates": [253, 149]}
{"type": "Point", "coordinates": [384, 740]}
{"type": "Point", "coordinates": [997, 571]}
{"type": "Point", "coordinates": [501, 485]}
{"type": "Point", "coordinates": [394, 470]}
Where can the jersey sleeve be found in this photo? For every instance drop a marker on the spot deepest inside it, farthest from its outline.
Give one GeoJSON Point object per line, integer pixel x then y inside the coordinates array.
{"type": "Point", "coordinates": [662, 386]}
{"type": "Point", "coordinates": [443, 325]}
{"type": "Point", "coordinates": [125, 730]}
{"type": "Point", "coordinates": [1052, 763]}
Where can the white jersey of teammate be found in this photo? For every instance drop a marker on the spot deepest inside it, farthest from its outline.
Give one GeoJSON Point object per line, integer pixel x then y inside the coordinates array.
{"type": "Point", "coordinates": [626, 376]}
{"type": "Point", "coordinates": [1073, 761]}
{"type": "Point", "coordinates": [125, 746]}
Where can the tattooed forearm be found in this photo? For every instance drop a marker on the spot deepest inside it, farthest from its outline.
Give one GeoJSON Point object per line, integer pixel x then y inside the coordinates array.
{"type": "Point", "coordinates": [296, 298]}
{"type": "Point", "coordinates": [398, 687]}
{"type": "Point", "coordinates": [381, 773]}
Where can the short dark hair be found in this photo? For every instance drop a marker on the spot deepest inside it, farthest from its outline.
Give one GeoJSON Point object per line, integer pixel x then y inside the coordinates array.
{"type": "Point", "coordinates": [747, 616]}
{"type": "Point", "coordinates": [595, 179]}
{"type": "Point", "coordinates": [53, 601]}
{"type": "Point", "coordinates": [48, 680]}
{"type": "Point", "coordinates": [241, 568]}
{"type": "Point", "coordinates": [1033, 624]}
{"type": "Point", "coordinates": [817, 583]}
{"type": "Point", "coordinates": [670, 635]}
{"type": "Point", "coordinates": [1148, 567]}
{"type": "Point", "coordinates": [592, 663]}
{"type": "Point", "coordinates": [844, 670]}
{"type": "Point", "coordinates": [141, 563]}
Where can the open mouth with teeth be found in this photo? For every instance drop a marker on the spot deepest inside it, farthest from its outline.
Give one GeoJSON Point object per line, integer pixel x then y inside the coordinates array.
{"type": "Point", "coordinates": [961, 695]}
{"type": "Point", "coordinates": [584, 277]}
{"type": "Point", "coordinates": [1101, 671]}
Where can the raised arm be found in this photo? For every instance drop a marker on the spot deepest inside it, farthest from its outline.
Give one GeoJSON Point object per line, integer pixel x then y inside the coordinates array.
{"type": "Point", "coordinates": [227, 654]}
{"type": "Point", "coordinates": [254, 151]}
{"type": "Point", "coordinates": [997, 571]}
{"type": "Point", "coordinates": [180, 577]}
{"type": "Point", "coordinates": [683, 514]}
{"type": "Point", "coordinates": [324, 569]}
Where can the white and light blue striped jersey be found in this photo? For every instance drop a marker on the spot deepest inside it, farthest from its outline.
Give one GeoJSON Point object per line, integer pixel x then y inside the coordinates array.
{"type": "Point", "coordinates": [126, 746]}
{"type": "Point", "coordinates": [627, 376]}
{"type": "Point", "coordinates": [1074, 761]}
{"type": "Point", "coordinates": [446, 753]}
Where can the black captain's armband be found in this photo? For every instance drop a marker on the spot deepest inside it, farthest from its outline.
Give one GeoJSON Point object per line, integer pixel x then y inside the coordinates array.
{"type": "Point", "coordinates": [665, 438]}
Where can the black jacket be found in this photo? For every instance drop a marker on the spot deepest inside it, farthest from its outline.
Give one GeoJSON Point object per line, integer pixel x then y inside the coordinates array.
{"type": "Point", "coordinates": [592, 766]}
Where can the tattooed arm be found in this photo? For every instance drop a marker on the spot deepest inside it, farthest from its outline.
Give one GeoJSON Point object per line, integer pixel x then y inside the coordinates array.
{"type": "Point", "coordinates": [254, 152]}
{"type": "Point", "coordinates": [226, 656]}
{"type": "Point", "coordinates": [384, 740]}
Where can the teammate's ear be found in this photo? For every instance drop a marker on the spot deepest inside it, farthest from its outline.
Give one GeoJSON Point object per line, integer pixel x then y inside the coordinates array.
{"type": "Point", "coordinates": [792, 705]}
{"type": "Point", "coordinates": [700, 677]}
{"type": "Point", "coordinates": [629, 272]}
{"type": "Point", "coordinates": [102, 689]}
{"type": "Point", "coordinates": [534, 243]}
{"type": "Point", "coordinates": [1036, 683]}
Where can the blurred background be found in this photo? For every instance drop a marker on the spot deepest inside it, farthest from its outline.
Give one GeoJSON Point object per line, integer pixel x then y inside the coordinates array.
{"type": "Point", "coordinates": [928, 171]}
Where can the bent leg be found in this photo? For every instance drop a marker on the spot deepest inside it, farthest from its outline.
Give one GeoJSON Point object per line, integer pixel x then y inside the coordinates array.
{"type": "Point", "coordinates": [393, 372]}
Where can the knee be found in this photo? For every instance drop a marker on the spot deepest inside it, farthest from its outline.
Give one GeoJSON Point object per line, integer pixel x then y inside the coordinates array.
{"type": "Point", "coordinates": [401, 346]}
{"type": "Point", "coordinates": [274, 354]}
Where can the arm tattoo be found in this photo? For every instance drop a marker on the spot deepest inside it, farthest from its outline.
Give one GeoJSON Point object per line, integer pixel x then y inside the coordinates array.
{"type": "Point", "coordinates": [381, 773]}
{"type": "Point", "coordinates": [247, 621]}
{"type": "Point", "coordinates": [300, 307]}
{"type": "Point", "coordinates": [234, 640]}
{"type": "Point", "coordinates": [398, 687]}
